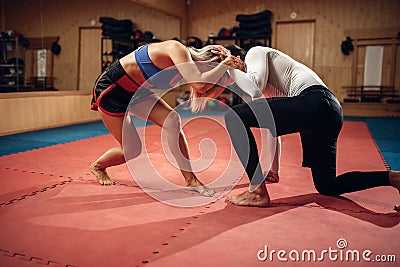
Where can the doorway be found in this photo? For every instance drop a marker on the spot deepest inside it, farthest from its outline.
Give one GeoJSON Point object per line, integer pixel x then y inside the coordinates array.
{"type": "Point", "coordinates": [296, 39]}
{"type": "Point", "coordinates": [89, 62]}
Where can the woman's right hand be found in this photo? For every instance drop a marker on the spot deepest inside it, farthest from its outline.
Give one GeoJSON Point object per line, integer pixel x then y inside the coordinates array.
{"type": "Point", "coordinates": [229, 61]}
{"type": "Point", "coordinates": [240, 64]}
{"type": "Point", "coordinates": [234, 62]}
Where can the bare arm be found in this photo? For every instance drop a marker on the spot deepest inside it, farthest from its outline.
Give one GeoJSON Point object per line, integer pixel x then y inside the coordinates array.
{"type": "Point", "coordinates": [200, 81]}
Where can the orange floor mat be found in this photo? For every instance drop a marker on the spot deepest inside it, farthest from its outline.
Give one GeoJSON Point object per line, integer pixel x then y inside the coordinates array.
{"type": "Point", "coordinates": [53, 212]}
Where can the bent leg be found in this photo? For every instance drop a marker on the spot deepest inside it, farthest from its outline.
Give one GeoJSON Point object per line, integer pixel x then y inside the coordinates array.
{"type": "Point", "coordinates": [281, 115]}
{"type": "Point", "coordinates": [238, 121]}
{"type": "Point", "coordinates": [158, 111]}
{"type": "Point", "coordinates": [331, 185]}
{"type": "Point", "coordinates": [324, 170]}
{"type": "Point", "coordinates": [327, 183]}
{"type": "Point", "coordinates": [115, 155]}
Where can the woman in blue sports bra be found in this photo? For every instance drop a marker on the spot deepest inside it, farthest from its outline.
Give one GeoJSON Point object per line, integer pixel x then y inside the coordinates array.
{"type": "Point", "coordinates": [119, 83]}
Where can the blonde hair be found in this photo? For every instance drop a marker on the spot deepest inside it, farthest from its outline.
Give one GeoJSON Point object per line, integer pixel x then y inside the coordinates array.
{"type": "Point", "coordinates": [204, 54]}
{"type": "Point", "coordinates": [198, 101]}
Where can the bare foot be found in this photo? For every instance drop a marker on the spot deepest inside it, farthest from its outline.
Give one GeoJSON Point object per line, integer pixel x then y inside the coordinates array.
{"type": "Point", "coordinates": [271, 177]}
{"type": "Point", "coordinates": [258, 198]}
{"type": "Point", "coordinates": [101, 175]}
{"type": "Point", "coordinates": [197, 186]}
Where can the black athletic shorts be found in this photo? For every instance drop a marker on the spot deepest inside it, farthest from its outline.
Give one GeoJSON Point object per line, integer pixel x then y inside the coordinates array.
{"type": "Point", "coordinates": [114, 89]}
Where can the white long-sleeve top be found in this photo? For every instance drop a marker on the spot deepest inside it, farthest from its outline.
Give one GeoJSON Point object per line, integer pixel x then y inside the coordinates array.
{"type": "Point", "coordinates": [274, 73]}
{"type": "Point", "coordinates": [271, 73]}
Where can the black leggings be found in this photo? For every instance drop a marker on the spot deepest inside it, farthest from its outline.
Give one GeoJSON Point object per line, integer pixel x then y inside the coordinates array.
{"type": "Point", "coordinates": [316, 114]}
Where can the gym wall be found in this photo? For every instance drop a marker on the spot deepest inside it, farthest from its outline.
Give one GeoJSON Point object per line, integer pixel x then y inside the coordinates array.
{"type": "Point", "coordinates": [64, 17]}
{"type": "Point", "coordinates": [332, 18]}
{"type": "Point", "coordinates": [168, 19]}
{"type": "Point", "coordinates": [174, 18]}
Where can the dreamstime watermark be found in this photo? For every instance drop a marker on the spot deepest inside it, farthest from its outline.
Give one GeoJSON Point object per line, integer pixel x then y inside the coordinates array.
{"type": "Point", "coordinates": [149, 169]}
{"type": "Point", "coordinates": [339, 253]}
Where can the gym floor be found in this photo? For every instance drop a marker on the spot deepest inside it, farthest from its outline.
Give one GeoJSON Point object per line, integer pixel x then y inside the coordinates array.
{"type": "Point", "coordinates": [53, 212]}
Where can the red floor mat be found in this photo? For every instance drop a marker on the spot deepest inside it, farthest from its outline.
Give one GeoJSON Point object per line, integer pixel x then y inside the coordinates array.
{"type": "Point", "coordinates": [52, 212]}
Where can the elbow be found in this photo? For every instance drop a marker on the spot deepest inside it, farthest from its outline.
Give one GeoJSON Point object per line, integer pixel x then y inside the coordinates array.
{"type": "Point", "coordinates": [258, 85]}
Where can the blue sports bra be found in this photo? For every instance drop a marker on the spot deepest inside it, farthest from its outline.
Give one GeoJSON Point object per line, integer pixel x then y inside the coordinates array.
{"type": "Point", "coordinates": [157, 77]}
{"type": "Point", "coordinates": [144, 62]}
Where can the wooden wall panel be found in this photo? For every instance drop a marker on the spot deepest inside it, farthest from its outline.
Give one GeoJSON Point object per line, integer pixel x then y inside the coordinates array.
{"type": "Point", "coordinates": [397, 71]}
{"type": "Point", "coordinates": [38, 110]}
{"type": "Point", "coordinates": [90, 63]}
{"type": "Point", "coordinates": [27, 111]}
{"type": "Point", "coordinates": [167, 19]}
{"type": "Point", "coordinates": [371, 109]}
{"type": "Point", "coordinates": [64, 17]}
{"type": "Point", "coordinates": [297, 40]}
{"type": "Point", "coordinates": [332, 19]}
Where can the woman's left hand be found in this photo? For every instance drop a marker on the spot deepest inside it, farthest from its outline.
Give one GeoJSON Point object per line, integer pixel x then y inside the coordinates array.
{"type": "Point", "coordinates": [230, 61]}
{"type": "Point", "coordinates": [235, 62]}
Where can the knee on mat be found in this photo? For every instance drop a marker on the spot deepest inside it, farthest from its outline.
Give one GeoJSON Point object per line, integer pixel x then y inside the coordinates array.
{"type": "Point", "coordinates": [327, 190]}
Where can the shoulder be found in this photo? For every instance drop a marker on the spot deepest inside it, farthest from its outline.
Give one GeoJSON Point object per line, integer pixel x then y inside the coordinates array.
{"type": "Point", "coordinates": [171, 51]}
{"type": "Point", "coordinates": [169, 48]}
{"type": "Point", "coordinates": [260, 51]}
{"type": "Point", "coordinates": [172, 44]}
{"type": "Point", "coordinates": [256, 50]}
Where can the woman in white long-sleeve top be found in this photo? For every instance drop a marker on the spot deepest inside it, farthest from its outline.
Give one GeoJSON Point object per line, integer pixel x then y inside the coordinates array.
{"type": "Point", "coordinates": [298, 101]}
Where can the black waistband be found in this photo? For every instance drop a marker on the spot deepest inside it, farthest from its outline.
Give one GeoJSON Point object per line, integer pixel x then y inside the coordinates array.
{"type": "Point", "coordinates": [316, 87]}
{"type": "Point", "coordinates": [115, 71]}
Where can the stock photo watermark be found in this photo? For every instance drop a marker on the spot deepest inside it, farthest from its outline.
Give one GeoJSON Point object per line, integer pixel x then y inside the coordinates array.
{"type": "Point", "coordinates": [339, 253]}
